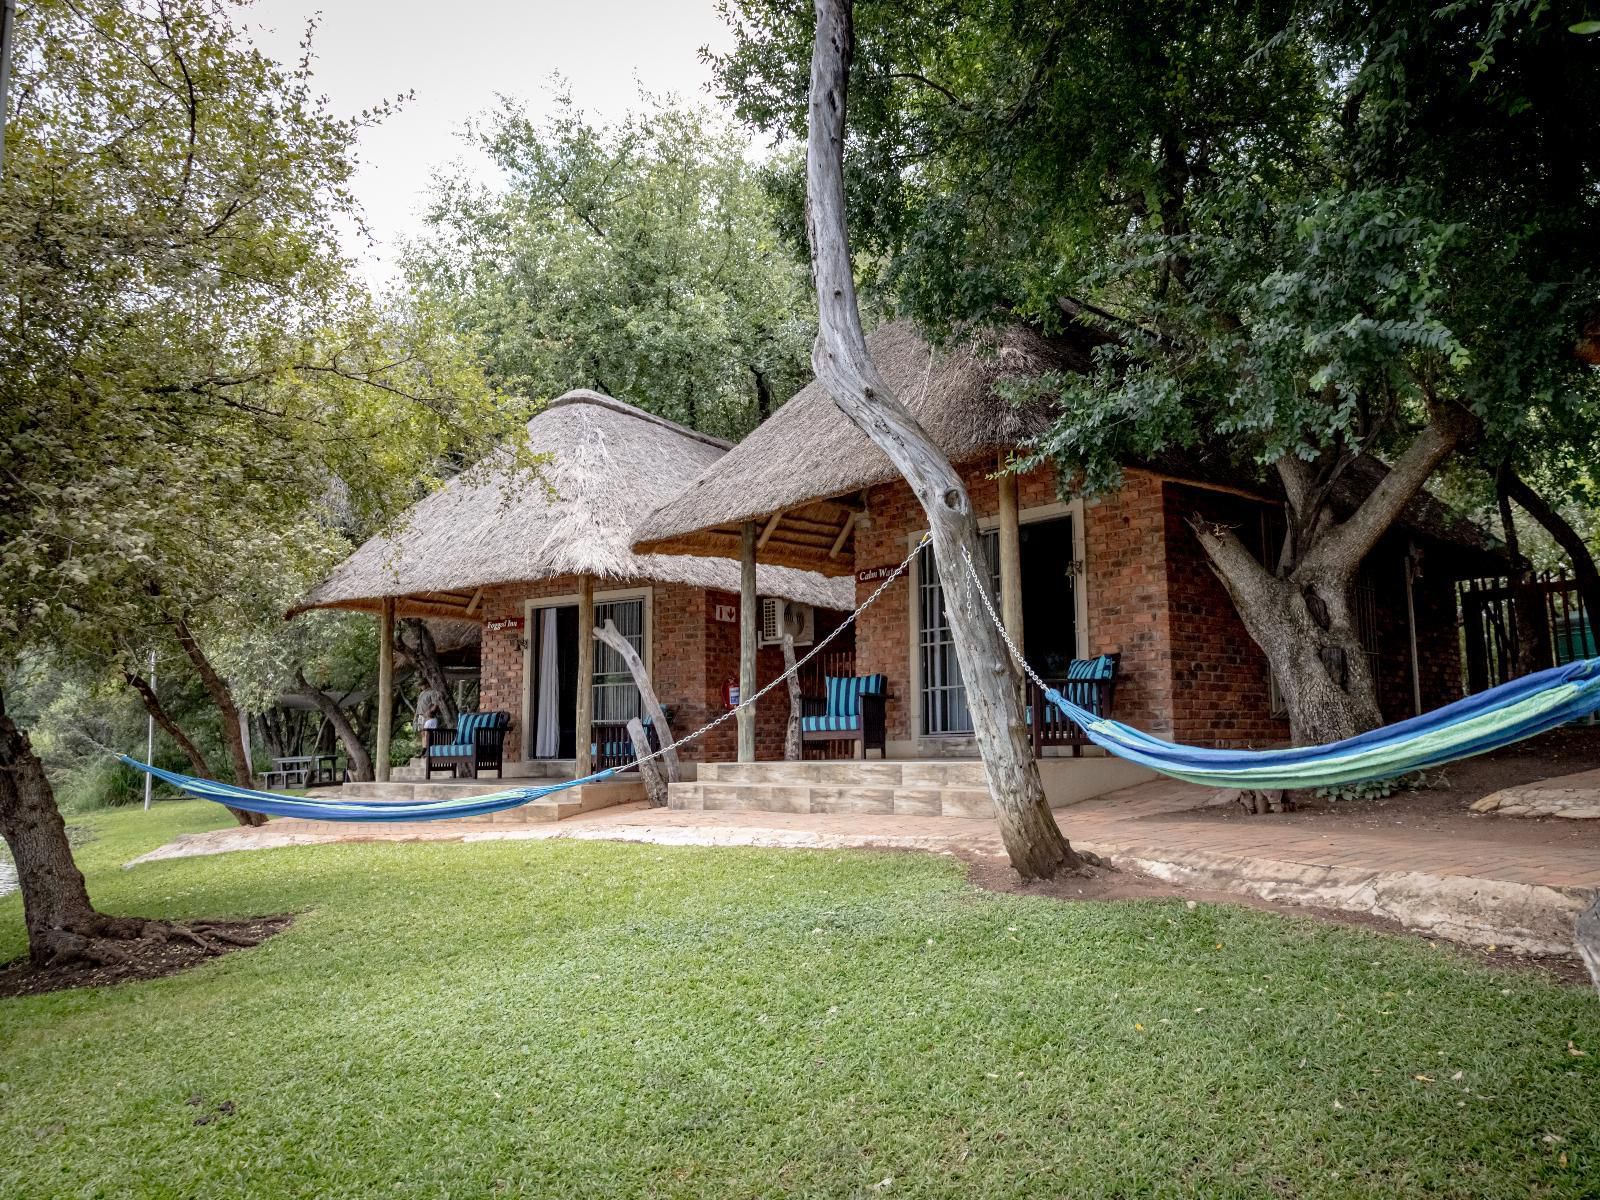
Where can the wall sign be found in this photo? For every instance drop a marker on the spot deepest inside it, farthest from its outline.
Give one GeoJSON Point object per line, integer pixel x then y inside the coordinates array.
{"type": "Point", "coordinates": [500, 623]}
{"type": "Point", "coordinates": [726, 613]}
{"type": "Point", "coordinates": [870, 574]}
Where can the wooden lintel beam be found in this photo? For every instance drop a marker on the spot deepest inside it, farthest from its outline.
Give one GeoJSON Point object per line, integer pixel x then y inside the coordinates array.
{"type": "Point", "coordinates": [770, 527]}
{"type": "Point", "coordinates": [844, 534]}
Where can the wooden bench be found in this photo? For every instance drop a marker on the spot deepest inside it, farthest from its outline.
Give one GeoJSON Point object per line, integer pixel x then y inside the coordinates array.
{"type": "Point", "coordinates": [1091, 683]}
{"type": "Point", "coordinates": [477, 744]}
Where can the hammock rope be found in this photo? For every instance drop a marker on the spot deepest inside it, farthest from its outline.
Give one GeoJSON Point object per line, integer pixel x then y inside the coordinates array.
{"type": "Point", "coordinates": [1477, 724]}
{"type": "Point", "coordinates": [276, 804]}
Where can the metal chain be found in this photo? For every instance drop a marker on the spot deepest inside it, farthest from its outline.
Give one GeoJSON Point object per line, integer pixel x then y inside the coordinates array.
{"type": "Point", "coordinates": [812, 653]}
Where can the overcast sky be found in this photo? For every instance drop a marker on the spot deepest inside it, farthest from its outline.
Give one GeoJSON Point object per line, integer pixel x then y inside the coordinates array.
{"type": "Point", "coordinates": [457, 56]}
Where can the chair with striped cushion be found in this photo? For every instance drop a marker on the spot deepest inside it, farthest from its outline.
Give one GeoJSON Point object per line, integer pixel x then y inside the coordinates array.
{"type": "Point", "coordinates": [851, 710]}
{"type": "Point", "coordinates": [1090, 683]}
{"type": "Point", "coordinates": [477, 744]}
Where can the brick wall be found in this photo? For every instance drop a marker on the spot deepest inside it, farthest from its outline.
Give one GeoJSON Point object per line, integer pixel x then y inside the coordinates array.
{"type": "Point", "coordinates": [1220, 678]}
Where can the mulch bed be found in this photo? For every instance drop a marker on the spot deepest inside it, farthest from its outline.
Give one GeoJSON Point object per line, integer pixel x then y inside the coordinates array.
{"type": "Point", "coordinates": [147, 959]}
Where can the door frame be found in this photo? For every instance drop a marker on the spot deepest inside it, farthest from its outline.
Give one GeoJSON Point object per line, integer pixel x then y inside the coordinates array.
{"type": "Point", "coordinates": [1028, 516]}
{"type": "Point", "coordinates": [532, 604]}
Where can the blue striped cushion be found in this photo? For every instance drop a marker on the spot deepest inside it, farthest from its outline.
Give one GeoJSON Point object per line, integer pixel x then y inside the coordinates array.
{"type": "Point", "coordinates": [454, 750]}
{"type": "Point", "coordinates": [1101, 667]}
{"type": "Point", "coordinates": [844, 694]}
{"type": "Point", "coordinates": [830, 724]}
{"type": "Point", "coordinates": [467, 726]}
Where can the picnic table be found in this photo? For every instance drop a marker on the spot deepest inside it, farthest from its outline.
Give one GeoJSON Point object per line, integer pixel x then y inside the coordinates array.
{"type": "Point", "coordinates": [305, 769]}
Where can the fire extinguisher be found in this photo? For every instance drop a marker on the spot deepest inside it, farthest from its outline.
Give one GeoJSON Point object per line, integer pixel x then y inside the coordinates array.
{"type": "Point", "coordinates": [730, 693]}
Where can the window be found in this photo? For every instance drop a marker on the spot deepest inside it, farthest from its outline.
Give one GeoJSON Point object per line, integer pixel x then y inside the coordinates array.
{"type": "Point", "coordinates": [944, 696]}
{"type": "Point", "coordinates": [616, 697]}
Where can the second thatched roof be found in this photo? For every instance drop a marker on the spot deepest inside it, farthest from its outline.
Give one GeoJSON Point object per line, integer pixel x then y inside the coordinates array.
{"type": "Point", "coordinates": [609, 465]}
{"type": "Point", "coordinates": [808, 452]}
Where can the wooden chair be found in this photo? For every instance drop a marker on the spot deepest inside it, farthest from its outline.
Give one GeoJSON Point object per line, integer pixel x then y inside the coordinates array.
{"type": "Point", "coordinates": [1091, 683]}
{"type": "Point", "coordinates": [477, 745]}
{"type": "Point", "coordinates": [851, 710]}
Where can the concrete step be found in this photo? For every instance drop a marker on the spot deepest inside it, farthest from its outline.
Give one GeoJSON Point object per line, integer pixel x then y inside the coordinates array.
{"type": "Point", "coordinates": [874, 773]}
{"type": "Point", "coordinates": [569, 802]}
{"type": "Point", "coordinates": [831, 798]}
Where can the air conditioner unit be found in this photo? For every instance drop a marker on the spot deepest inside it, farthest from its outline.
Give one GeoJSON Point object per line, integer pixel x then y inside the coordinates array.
{"type": "Point", "coordinates": [780, 616]}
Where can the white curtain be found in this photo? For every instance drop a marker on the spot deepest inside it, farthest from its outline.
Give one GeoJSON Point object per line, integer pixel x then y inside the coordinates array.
{"type": "Point", "coordinates": [547, 739]}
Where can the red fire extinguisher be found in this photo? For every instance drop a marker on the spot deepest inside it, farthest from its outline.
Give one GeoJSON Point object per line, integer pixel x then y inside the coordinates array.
{"type": "Point", "coordinates": [730, 693]}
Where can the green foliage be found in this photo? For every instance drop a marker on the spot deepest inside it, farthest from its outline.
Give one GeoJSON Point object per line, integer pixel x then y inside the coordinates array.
{"type": "Point", "coordinates": [197, 399]}
{"type": "Point", "coordinates": [591, 1019]}
{"type": "Point", "coordinates": [1295, 231]}
{"type": "Point", "coordinates": [641, 259]}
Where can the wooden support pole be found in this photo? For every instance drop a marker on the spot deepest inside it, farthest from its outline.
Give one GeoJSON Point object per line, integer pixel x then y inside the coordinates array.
{"type": "Point", "coordinates": [749, 619]}
{"type": "Point", "coordinates": [1010, 555]}
{"type": "Point", "coordinates": [380, 768]}
{"type": "Point", "coordinates": [585, 719]}
{"type": "Point", "coordinates": [793, 746]}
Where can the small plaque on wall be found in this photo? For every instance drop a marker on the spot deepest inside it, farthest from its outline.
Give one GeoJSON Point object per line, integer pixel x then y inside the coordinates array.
{"type": "Point", "coordinates": [500, 623]}
{"type": "Point", "coordinates": [872, 574]}
{"type": "Point", "coordinates": [726, 613]}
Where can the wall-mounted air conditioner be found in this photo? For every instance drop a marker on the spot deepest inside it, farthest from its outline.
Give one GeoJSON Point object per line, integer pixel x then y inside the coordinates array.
{"type": "Point", "coordinates": [780, 616]}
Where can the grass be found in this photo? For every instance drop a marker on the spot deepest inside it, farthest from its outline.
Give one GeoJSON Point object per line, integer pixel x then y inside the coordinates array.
{"type": "Point", "coordinates": [597, 1019]}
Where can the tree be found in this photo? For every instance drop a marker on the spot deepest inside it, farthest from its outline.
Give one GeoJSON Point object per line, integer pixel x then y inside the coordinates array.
{"type": "Point", "coordinates": [191, 382]}
{"type": "Point", "coordinates": [1032, 838]}
{"type": "Point", "coordinates": [1304, 236]}
{"type": "Point", "coordinates": [641, 259]}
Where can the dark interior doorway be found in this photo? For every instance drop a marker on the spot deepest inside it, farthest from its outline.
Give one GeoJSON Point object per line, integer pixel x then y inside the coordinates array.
{"type": "Point", "coordinates": [566, 669]}
{"type": "Point", "coordinates": [1049, 596]}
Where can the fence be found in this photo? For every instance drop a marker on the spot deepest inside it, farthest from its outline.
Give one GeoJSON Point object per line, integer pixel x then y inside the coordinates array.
{"type": "Point", "coordinates": [1499, 643]}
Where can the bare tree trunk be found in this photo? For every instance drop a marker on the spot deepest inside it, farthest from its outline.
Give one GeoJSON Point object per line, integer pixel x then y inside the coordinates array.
{"type": "Point", "coordinates": [62, 924]}
{"type": "Point", "coordinates": [1530, 647]}
{"type": "Point", "coordinates": [197, 760]}
{"type": "Point", "coordinates": [1032, 838]}
{"type": "Point", "coordinates": [647, 691]}
{"type": "Point", "coordinates": [243, 773]}
{"type": "Point", "coordinates": [1568, 538]}
{"type": "Point", "coordinates": [655, 783]}
{"type": "Point", "coordinates": [420, 649]}
{"type": "Point", "coordinates": [1587, 936]}
{"type": "Point", "coordinates": [354, 751]}
{"type": "Point", "coordinates": [793, 747]}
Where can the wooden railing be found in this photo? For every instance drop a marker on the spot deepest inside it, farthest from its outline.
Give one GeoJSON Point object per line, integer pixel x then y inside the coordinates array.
{"type": "Point", "coordinates": [1497, 647]}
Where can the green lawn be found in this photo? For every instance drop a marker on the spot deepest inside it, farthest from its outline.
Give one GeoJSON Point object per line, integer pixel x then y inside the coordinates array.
{"type": "Point", "coordinates": [594, 1019]}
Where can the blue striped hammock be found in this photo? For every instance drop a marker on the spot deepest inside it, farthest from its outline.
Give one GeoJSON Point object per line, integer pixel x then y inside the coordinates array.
{"type": "Point", "coordinates": [1487, 721]}
{"type": "Point", "coordinates": [1492, 719]}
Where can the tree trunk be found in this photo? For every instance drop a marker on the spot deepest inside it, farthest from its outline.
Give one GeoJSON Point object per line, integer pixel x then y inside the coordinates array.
{"type": "Point", "coordinates": [63, 925]}
{"type": "Point", "coordinates": [1568, 538]}
{"type": "Point", "coordinates": [793, 747]}
{"type": "Point", "coordinates": [1530, 646]}
{"type": "Point", "coordinates": [1306, 628]}
{"type": "Point", "coordinates": [1587, 937]}
{"type": "Point", "coordinates": [354, 751]}
{"type": "Point", "coordinates": [1032, 838]}
{"type": "Point", "coordinates": [421, 650]}
{"type": "Point", "coordinates": [647, 692]}
{"type": "Point", "coordinates": [655, 783]}
{"type": "Point", "coordinates": [243, 773]}
{"type": "Point", "coordinates": [197, 761]}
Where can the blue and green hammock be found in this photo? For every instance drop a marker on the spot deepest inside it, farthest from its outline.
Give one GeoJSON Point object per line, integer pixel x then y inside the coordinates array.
{"type": "Point", "coordinates": [1487, 721]}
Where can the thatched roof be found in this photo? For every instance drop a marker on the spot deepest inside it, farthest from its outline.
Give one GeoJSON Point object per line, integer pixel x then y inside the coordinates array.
{"type": "Point", "coordinates": [798, 474]}
{"type": "Point", "coordinates": [610, 464]}
{"type": "Point", "coordinates": [808, 452]}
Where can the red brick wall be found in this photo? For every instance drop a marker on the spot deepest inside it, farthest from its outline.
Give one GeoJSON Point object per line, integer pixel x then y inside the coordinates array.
{"type": "Point", "coordinates": [1219, 675]}
{"type": "Point", "coordinates": [1125, 545]}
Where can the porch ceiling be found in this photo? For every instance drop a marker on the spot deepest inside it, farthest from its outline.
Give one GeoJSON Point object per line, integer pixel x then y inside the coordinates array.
{"type": "Point", "coordinates": [453, 606]}
{"type": "Point", "coordinates": [816, 536]}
